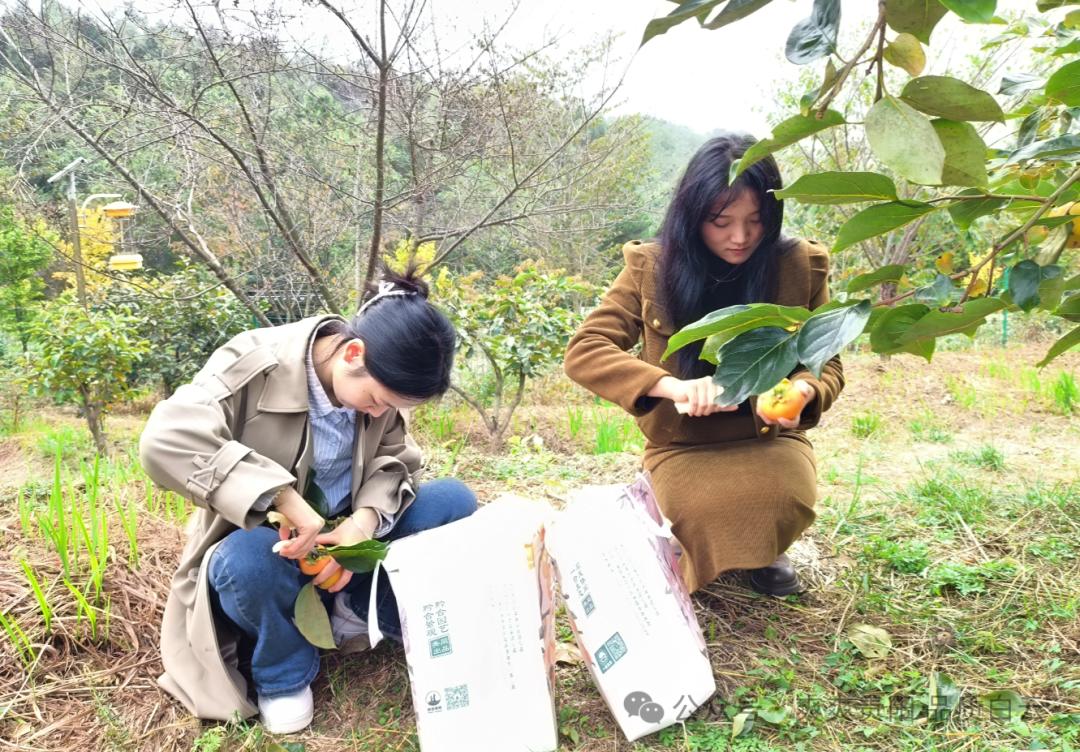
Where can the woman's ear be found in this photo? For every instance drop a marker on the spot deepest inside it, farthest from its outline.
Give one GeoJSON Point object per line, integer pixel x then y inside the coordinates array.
{"type": "Point", "coordinates": [354, 353]}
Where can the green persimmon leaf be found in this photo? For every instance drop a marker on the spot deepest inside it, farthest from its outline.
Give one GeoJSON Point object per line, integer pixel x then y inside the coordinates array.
{"type": "Point", "coordinates": [964, 213]}
{"type": "Point", "coordinates": [1019, 83]}
{"type": "Point", "coordinates": [311, 618]}
{"type": "Point", "coordinates": [879, 219]}
{"type": "Point", "coordinates": [890, 273]}
{"type": "Point", "coordinates": [939, 323]}
{"type": "Point", "coordinates": [1025, 279]}
{"type": "Point", "coordinates": [754, 362]}
{"type": "Point", "coordinates": [826, 334]}
{"type": "Point", "coordinates": [947, 97]}
{"type": "Point", "coordinates": [1058, 149]}
{"type": "Point", "coordinates": [1045, 5]}
{"type": "Point", "coordinates": [1051, 289]}
{"type": "Point", "coordinates": [893, 324]}
{"type": "Point", "coordinates": [785, 134]}
{"type": "Point", "coordinates": [735, 10]}
{"type": "Point", "coordinates": [918, 17]}
{"type": "Point", "coordinates": [742, 723]}
{"type": "Point", "coordinates": [965, 153]}
{"type": "Point", "coordinates": [840, 188]}
{"type": "Point", "coordinates": [972, 11]}
{"type": "Point", "coordinates": [1064, 84]}
{"type": "Point", "coordinates": [729, 322]}
{"type": "Point", "coordinates": [359, 557]}
{"type": "Point", "coordinates": [904, 141]}
{"type": "Point", "coordinates": [1069, 308]}
{"type": "Point", "coordinates": [905, 52]}
{"type": "Point", "coordinates": [1064, 344]}
{"type": "Point", "coordinates": [686, 10]}
{"type": "Point", "coordinates": [814, 37]}
{"type": "Point", "coordinates": [937, 293]}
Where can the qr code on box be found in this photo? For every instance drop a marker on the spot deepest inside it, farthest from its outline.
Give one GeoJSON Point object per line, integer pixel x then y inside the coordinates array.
{"type": "Point", "coordinates": [457, 697]}
{"type": "Point", "coordinates": [610, 652]}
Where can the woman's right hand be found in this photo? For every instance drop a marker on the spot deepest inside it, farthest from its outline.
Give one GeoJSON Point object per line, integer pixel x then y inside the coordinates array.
{"type": "Point", "coordinates": [694, 397]}
{"type": "Point", "coordinates": [304, 520]}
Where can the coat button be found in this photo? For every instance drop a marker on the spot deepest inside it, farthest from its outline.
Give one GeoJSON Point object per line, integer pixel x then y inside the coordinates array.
{"type": "Point", "coordinates": [656, 323]}
{"type": "Point", "coordinates": [764, 429]}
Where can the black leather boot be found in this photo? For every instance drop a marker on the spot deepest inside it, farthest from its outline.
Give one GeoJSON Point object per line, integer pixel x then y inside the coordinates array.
{"type": "Point", "coordinates": [779, 578]}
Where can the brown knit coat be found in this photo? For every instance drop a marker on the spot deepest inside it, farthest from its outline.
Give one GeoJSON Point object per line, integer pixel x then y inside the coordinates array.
{"type": "Point", "coordinates": [737, 491]}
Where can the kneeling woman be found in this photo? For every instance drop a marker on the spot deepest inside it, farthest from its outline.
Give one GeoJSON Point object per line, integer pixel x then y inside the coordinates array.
{"type": "Point", "coordinates": [293, 418]}
{"type": "Point", "coordinates": [738, 487]}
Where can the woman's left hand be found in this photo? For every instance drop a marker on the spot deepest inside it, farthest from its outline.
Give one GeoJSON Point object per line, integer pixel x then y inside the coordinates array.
{"type": "Point", "coordinates": [350, 531]}
{"type": "Point", "coordinates": [809, 395]}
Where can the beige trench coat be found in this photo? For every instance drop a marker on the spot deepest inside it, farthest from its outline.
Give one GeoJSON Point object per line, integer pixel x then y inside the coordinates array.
{"type": "Point", "coordinates": [738, 491]}
{"type": "Point", "coordinates": [237, 431]}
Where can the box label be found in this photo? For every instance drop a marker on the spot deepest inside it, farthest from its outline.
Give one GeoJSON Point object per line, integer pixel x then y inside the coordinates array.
{"type": "Point", "coordinates": [578, 578]}
{"type": "Point", "coordinates": [610, 652]}
{"type": "Point", "coordinates": [437, 629]}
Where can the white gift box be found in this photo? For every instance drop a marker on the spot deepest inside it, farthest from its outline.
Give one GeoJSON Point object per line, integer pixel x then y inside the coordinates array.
{"type": "Point", "coordinates": [630, 610]}
{"type": "Point", "coordinates": [477, 617]}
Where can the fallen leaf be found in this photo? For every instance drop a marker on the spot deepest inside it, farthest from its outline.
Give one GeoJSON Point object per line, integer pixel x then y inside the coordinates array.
{"type": "Point", "coordinates": [872, 642]}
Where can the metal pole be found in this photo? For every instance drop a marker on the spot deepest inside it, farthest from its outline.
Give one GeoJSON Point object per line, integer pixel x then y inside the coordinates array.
{"type": "Point", "coordinates": [1005, 313]}
{"type": "Point", "coordinates": [76, 248]}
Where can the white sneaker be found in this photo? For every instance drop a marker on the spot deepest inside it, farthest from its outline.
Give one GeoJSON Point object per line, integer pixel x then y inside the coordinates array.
{"type": "Point", "coordinates": [349, 630]}
{"type": "Point", "coordinates": [287, 714]}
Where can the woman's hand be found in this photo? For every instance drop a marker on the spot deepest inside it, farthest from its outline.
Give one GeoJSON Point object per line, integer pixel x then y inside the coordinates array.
{"type": "Point", "coordinates": [303, 519]}
{"type": "Point", "coordinates": [694, 397]}
{"type": "Point", "coordinates": [808, 394]}
{"type": "Point", "coordinates": [356, 528]}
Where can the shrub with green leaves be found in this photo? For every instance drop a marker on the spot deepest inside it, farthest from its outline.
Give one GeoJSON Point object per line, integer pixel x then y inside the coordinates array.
{"type": "Point", "coordinates": [84, 357]}
{"type": "Point", "coordinates": [24, 252]}
{"type": "Point", "coordinates": [517, 326]}
{"type": "Point", "coordinates": [184, 317]}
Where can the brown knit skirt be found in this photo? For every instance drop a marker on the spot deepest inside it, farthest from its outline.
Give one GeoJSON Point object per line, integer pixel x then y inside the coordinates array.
{"type": "Point", "coordinates": [735, 504]}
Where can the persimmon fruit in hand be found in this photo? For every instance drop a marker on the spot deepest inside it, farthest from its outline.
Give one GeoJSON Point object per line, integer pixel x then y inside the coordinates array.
{"type": "Point", "coordinates": [316, 564]}
{"type": "Point", "coordinates": [785, 400]}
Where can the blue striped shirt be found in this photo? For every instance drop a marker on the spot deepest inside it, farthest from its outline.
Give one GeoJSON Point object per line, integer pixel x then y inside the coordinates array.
{"type": "Point", "coordinates": [333, 435]}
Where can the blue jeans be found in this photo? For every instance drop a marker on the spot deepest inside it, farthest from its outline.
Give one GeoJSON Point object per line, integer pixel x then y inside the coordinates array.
{"type": "Point", "coordinates": [255, 589]}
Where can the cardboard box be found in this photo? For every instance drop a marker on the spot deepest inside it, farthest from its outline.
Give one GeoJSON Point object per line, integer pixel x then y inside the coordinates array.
{"type": "Point", "coordinates": [477, 616]}
{"type": "Point", "coordinates": [630, 610]}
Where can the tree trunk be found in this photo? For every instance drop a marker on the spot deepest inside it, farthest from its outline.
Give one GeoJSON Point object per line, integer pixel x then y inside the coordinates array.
{"type": "Point", "coordinates": [93, 409]}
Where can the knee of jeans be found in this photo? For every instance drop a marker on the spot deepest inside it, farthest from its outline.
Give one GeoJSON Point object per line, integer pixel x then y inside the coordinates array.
{"type": "Point", "coordinates": [246, 554]}
{"type": "Point", "coordinates": [460, 499]}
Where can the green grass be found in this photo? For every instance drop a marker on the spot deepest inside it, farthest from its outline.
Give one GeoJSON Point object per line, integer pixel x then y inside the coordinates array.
{"type": "Point", "coordinates": [1065, 393]}
{"type": "Point", "coordinates": [927, 427]}
{"type": "Point", "coordinates": [965, 395]}
{"type": "Point", "coordinates": [867, 424]}
{"type": "Point", "coordinates": [615, 431]}
{"type": "Point", "coordinates": [902, 555]}
{"type": "Point", "coordinates": [986, 457]}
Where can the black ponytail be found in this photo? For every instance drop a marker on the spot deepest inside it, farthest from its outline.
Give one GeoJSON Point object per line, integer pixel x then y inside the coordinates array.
{"type": "Point", "coordinates": [409, 343]}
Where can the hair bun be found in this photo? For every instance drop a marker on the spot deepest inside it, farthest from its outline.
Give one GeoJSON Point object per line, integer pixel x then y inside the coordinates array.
{"type": "Point", "coordinates": [410, 281]}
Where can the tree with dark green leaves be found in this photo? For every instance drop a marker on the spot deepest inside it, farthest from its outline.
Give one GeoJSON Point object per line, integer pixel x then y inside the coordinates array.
{"type": "Point", "coordinates": [23, 255]}
{"type": "Point", "coordinates": [923, 131]}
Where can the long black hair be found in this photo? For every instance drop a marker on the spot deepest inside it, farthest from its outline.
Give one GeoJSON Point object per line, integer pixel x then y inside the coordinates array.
{"type": "Point", "coordinates": [409, 343]}
{"type": "Point", "coordinates": [695, 281]}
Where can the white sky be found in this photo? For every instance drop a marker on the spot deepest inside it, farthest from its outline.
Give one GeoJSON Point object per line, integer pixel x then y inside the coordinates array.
{"type": "Point", "coordinates": [711, 79]}
{"type": "Point", "coordinates": [702, 79]}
